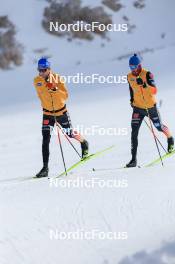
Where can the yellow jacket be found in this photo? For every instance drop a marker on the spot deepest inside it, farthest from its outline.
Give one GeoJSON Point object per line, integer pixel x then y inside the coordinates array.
{"type": "Point", "coordinates": [53, 95]}
{"type": "Point", "coordinates": [142, 97]}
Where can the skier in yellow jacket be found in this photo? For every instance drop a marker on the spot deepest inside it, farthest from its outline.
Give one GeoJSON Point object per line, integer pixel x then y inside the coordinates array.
{"type": "Point", "coordinates": [53, 95]}
{"type": "Point", "coordinates": [143, 101]}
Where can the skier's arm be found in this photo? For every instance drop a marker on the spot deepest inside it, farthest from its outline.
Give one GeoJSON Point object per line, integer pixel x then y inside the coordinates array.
{"type": "Point", "coordinates": [62, 89]}
{"type": "Point", "coordinates": [36, 88]}
{"type": "Point", "coordinates": [151, 82]}
{"type": "Point", "coordinates": [131, 95]}
{"type": "Point", "coordinates": [59, 88]}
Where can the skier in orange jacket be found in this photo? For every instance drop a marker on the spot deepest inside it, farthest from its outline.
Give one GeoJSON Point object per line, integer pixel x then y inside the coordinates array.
{"type": "Point", "coordinates": [53, 95]}
{"type": "Point", "coordinates": [143, 101]}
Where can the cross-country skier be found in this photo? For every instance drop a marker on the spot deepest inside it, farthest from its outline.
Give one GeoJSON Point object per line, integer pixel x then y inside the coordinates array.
{"type": "Point", "coordinates": [53, 96]}
{"type": "Point", "coordinates": [142, 97]}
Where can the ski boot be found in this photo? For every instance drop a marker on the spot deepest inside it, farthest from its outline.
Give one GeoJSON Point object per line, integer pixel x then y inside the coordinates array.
{"type": "Point", "coordinates": [84, 149]}
{"type": "Point", "coordinates": [170, 144]}
{"type": "Point", "coordinates": [131, 164]}
{"type": "Point", "coordinates": [43, 172]}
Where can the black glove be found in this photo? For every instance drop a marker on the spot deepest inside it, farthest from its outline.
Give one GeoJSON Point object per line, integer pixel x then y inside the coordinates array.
{"type": "Point", "coordinates": [140, 82]}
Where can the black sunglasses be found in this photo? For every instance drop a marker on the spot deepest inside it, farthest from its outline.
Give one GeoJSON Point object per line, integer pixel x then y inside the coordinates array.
{"type": "Point", "coordinates": [42, 70]}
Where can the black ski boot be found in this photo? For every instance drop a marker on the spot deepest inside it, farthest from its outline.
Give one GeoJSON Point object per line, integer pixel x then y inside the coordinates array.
{"type": "Point", "coordinates": [43, 172]}
{"type": "Point", "coordinates": [131, 164]}
{"type": "Point", "coordinates": [170, 144]}
{"type": "Point", "coordinates": [84, 149]}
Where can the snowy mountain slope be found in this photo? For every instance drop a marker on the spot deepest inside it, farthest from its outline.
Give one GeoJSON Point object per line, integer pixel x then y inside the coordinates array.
{"type": "Point", "coordinates": [65, 55]}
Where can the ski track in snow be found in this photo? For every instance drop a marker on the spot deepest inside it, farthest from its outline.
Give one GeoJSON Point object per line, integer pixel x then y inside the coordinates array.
{"type": "Point", "coordinates": [148, 199]}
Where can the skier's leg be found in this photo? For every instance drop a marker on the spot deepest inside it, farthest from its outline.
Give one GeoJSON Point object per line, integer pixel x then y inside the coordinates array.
{"type": "Point", "coordinates": [47, 126]}
{"type": "Point", "coordinates": [136, 122]}
{"type": "Point", "coordinates": [48, 123]}
{"type": "Point", "coordinates": [156, 119]}
{"type": "Point", "coordinates": [137, 118]}
{"type": "Point", "coordinates": [65, 123]}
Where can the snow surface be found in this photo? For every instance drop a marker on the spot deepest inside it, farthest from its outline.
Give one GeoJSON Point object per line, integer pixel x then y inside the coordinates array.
{"type": "Point", "coordinates": [145, 209]}
{"type": "Point", "coordinates": [30, 209]}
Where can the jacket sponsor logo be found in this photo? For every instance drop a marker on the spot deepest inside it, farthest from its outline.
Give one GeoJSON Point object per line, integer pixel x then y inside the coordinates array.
{"type": "Point", "coordinates": [132, 79]}
{"type": "Point", "coordinates": [39, 84]}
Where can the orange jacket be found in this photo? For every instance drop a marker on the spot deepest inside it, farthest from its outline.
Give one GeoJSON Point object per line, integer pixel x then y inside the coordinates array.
{"type": "Point", "coordinates": [53, 95]}
{"type": "Point", "coordinates": [142, 97]}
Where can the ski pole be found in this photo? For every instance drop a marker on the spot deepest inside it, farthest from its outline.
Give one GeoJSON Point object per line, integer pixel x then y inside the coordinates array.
{"type": "Point", "coordinates": [156, 137]}
{"type": "Point", "coordinates": [59, 139]}
{"type": "Point", "coordinates": [151, 126]}
{"type": "Point", "coordinates": [68, 139]}
{"type": "Point", "coordinates": [61, 149]}
{"type": "Point", "coordinates": [64, 132]}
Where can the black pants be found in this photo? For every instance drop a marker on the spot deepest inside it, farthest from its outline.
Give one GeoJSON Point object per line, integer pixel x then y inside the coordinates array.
{"type": "Point", "coordinates": [47, 127]}
{"type": "Point", "coordinates": [137, 118]}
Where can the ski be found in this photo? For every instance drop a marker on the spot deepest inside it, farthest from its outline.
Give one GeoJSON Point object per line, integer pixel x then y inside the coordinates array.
{"type": "Point", "coordinates": [47, 177]}
{"type": "Point", "coordinates": [81, 162]}
{"type": "Point", "coordinates": [156, 161]}
{"type": "Point", "coordinates": [111, 169]}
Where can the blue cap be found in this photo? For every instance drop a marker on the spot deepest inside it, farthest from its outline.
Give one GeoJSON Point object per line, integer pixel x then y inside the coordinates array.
{"type": "Point", "coordinates": [43, 63]}
{"type": "Point", "coordinates": [134, 60]}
